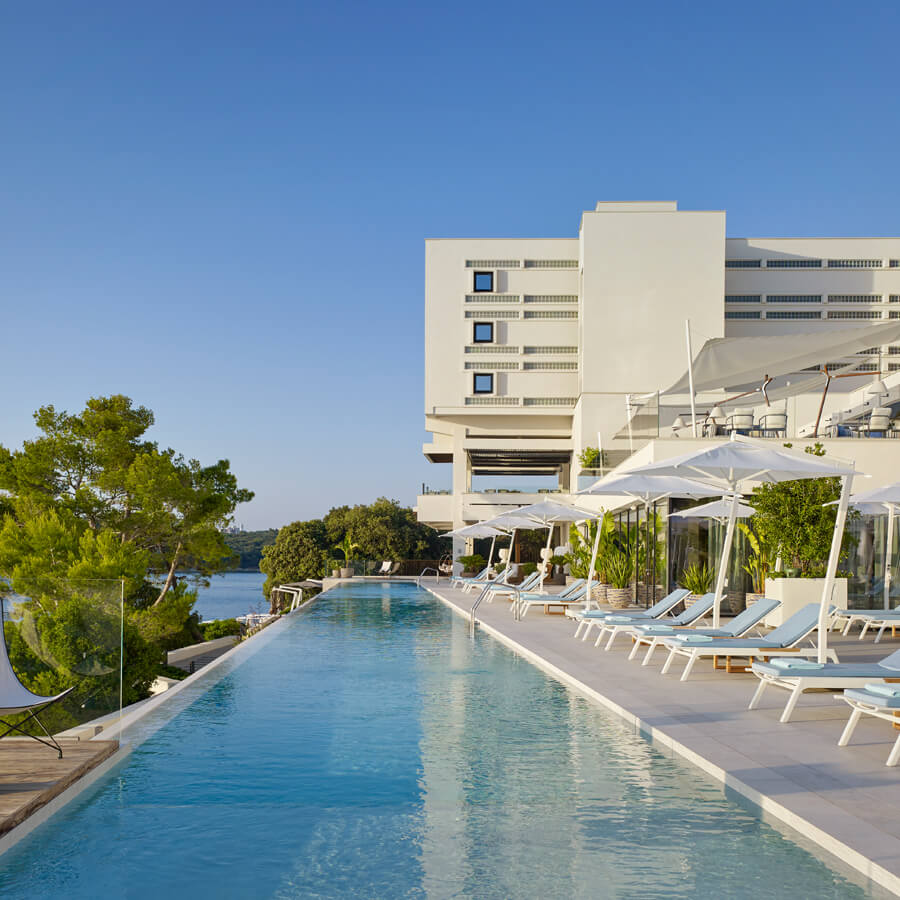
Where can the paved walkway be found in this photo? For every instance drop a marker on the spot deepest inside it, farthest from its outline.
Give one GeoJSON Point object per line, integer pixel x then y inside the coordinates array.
{"type": "Point", "coordinates": [845, 799]}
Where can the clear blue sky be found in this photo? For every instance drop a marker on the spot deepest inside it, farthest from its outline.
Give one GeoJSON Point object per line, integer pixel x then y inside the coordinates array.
{"type": "Point", "coordinates": [219, 208]}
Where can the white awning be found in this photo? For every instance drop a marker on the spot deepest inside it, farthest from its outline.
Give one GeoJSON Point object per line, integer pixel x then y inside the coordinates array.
{"type": "Point", "coordinates": [727, 362]}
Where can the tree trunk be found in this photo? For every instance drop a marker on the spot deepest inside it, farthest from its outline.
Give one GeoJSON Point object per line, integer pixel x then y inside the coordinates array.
{"type": "Point", "coordinates": [170, 577]}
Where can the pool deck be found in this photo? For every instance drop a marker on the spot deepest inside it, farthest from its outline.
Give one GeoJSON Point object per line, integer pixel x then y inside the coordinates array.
{"type": "Point", "coordinates": [31, 776]}
{"type": "Point", "coordinates": [844, 799]}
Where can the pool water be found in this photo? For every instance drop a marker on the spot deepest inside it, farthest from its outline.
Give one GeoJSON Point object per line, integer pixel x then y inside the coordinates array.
{"type": "Point", "coordinates": [372, 749]}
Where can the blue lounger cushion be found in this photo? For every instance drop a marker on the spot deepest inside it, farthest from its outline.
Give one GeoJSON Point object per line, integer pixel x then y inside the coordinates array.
{"type": "Point", "coordinates": [884, 690]}
{"type": "Point", "coordinates": [786, 663]}
{"type": "Point", "coordinates": [884, 668]}
{"type": "Point", "coordinates": [875, 699]}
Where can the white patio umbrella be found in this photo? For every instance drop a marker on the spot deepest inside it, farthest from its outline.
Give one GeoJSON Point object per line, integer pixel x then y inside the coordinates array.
{"type": "Point", "coordinates": [736, 462]}
{"type": "Point", "coordinates": [548, 513]}
{"type": "Point", "coordinates": [511, 521]}
{"type": "Point", "coordinates": [647, 489]}
{"type": "Point", "coordinates": [882, 500]}
{"type": "Point", "coordinates": [479, 530]}
{"type": "Point", "coordinates": [719, 510]}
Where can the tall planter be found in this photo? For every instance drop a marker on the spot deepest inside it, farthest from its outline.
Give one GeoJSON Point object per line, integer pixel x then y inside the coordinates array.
{"type": "Point", "coordinates": [795, 593]}
{"type": "Point", "coordinates": [618, 598]}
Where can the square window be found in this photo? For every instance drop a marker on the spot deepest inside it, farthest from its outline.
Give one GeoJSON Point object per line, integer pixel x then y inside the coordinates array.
{"type": "Point", "coordinates": [483, 383]}
{"type": "Point", "coordinates": [484, 282]}
{"type": "Point", "coordinates": [483, 333]}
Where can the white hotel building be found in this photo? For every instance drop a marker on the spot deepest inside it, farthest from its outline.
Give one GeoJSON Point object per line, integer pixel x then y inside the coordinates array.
{"type": "Point", "coordinates": [538, 348]}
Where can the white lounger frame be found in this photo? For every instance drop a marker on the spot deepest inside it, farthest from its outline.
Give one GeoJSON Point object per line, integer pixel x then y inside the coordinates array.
{"type": "Point", "coordinates": [860, 708]}
{"type": "Point", "coordinates": [797, 684]}
{"type": "Point", "coordinates": [693, 652]}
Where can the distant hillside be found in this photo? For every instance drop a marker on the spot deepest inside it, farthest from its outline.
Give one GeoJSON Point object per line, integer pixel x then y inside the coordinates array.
{"type": "Point", "coordinates": [248, 546]}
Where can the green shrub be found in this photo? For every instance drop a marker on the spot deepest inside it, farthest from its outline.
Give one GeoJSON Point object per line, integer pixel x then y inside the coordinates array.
{"type": "Point", "coordinates": [526, 569]}
{"type": "Point", "coordinates": [172, 672]}
{"type": "Point", "coordinates": [590, 458]}
{"type": "Point", "coordinates": [619, 568]}
{"type": "Point", "coordinates": [219, 628]}
{"type": "Point", "coordinates": [697, 578]}
{"type": "Point", "coordinates": [475, 562]}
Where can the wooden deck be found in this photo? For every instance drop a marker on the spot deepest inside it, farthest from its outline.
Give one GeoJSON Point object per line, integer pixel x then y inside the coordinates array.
{"type": "Point", "coordinates": [31, 775]}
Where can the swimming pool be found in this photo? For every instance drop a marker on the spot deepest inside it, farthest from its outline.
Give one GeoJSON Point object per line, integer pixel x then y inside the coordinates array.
{"type": "Point", "coordinates": [371, 749]}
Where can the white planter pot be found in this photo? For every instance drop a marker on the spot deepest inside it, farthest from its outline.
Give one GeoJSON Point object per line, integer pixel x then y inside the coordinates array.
{"type": "Point", "coordinates": [795, 593]}
{"type": "Point", "coordinates": [335, 573]}
{"type": "Point", "coordinates": [346, 572]}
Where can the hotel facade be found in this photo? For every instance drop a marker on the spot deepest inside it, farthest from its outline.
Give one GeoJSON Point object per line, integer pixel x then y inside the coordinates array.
{"type": "Point", "coordinates": [538, 349]}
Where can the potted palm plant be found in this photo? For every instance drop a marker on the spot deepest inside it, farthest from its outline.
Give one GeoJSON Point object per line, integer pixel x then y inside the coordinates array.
{"type": "Point", "coordinates": [757, 565]}
{"type": "Point", "coordinates": [579, 557]}
{"type": "Point", "coordinates": [698, 579]}
{"type": "Point", "coordinates": [347, 546]}
{"type": "Point", "coordinates": [472, 564]}
{"type": "Point", "coordinates": [618, 565]}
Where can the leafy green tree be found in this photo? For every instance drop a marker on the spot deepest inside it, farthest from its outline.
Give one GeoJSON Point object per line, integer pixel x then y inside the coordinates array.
{"type": "Point", "coordinates": [384, 530]}
{"type": "Point", "coordinates": [795, 517]}
{"type": "Point", "coordinates": [298, 553]}
{"type": "Point", "coordinates": [88, 506]}
{"type": "Point", "coordinates": [97, 467]}
{"type": "Point", "coordinates": [248, 546]}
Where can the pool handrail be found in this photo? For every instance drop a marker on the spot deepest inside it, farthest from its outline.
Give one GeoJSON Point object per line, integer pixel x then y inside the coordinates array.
{"type": "Point", "coordinates": [510, 588]}
{"type": "Point", "coordinates": [428, 569]}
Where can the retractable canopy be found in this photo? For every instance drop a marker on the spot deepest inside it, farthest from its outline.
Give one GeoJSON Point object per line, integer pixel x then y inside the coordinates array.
{"type": "Point", "coordinates": [726, 362]}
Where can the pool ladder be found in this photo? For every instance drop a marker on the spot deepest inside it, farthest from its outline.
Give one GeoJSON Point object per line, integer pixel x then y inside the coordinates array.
{"type": "Point", "coordinates": [437, 572]}
{"type": "Point", "coordinates": [484, 592]}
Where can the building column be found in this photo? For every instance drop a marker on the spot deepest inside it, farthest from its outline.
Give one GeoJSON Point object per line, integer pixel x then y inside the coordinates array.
{"type": "Point", "coordinates": [462, 483]}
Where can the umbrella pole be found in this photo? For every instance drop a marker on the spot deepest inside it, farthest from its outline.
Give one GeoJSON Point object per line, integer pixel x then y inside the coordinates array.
{"type": "Point", "coordinates": [509, 556]}
{"type": "Point", "coordinates": [887, 556]}
{"type": "Point", "coordinates": [690, 356]}
{"type": "Point", "coordinates": [593, 562]}
{"type": "Point", "coordinates": [837, 537]}
{"type": "Point", "coordinates": [544, 562]}
{"type": "Point", "coordinates": [726, 555]}
{"type": "Point", "coordinates": [491, 554]}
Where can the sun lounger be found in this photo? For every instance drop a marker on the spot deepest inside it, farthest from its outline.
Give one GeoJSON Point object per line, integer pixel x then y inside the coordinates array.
{"type": "Point", "coordinates": [652, 634]}
{"type": "Point", "coordinates": [459, 580]}
{"type": "Point", "coordinates": [818, 676]}
{"type": "Point", "coordinates": [781, 641]}
{"type": "Point", "coordinates": [385, 568]}
{"type": "Point", "coordinates": [845, 619]}
{"type": "Point", "coordinates": [616, 625]}
{"type": "Point", "coordinates": [589, 618]}
{"type": "Point", "coordinates": [472, 586]}
{"type": "Point", "coordinates": [574, 593]}
{"type": "Point", "coordinates": [887, 618]}
{"type": "Point", "coordinates": [501, 589]}
{"type": "Point", "coordinates": [879, 700]}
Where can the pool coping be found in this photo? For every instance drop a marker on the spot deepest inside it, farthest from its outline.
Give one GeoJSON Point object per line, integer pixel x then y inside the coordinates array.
{"type": "Point", "coordinates": [843, 852]}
